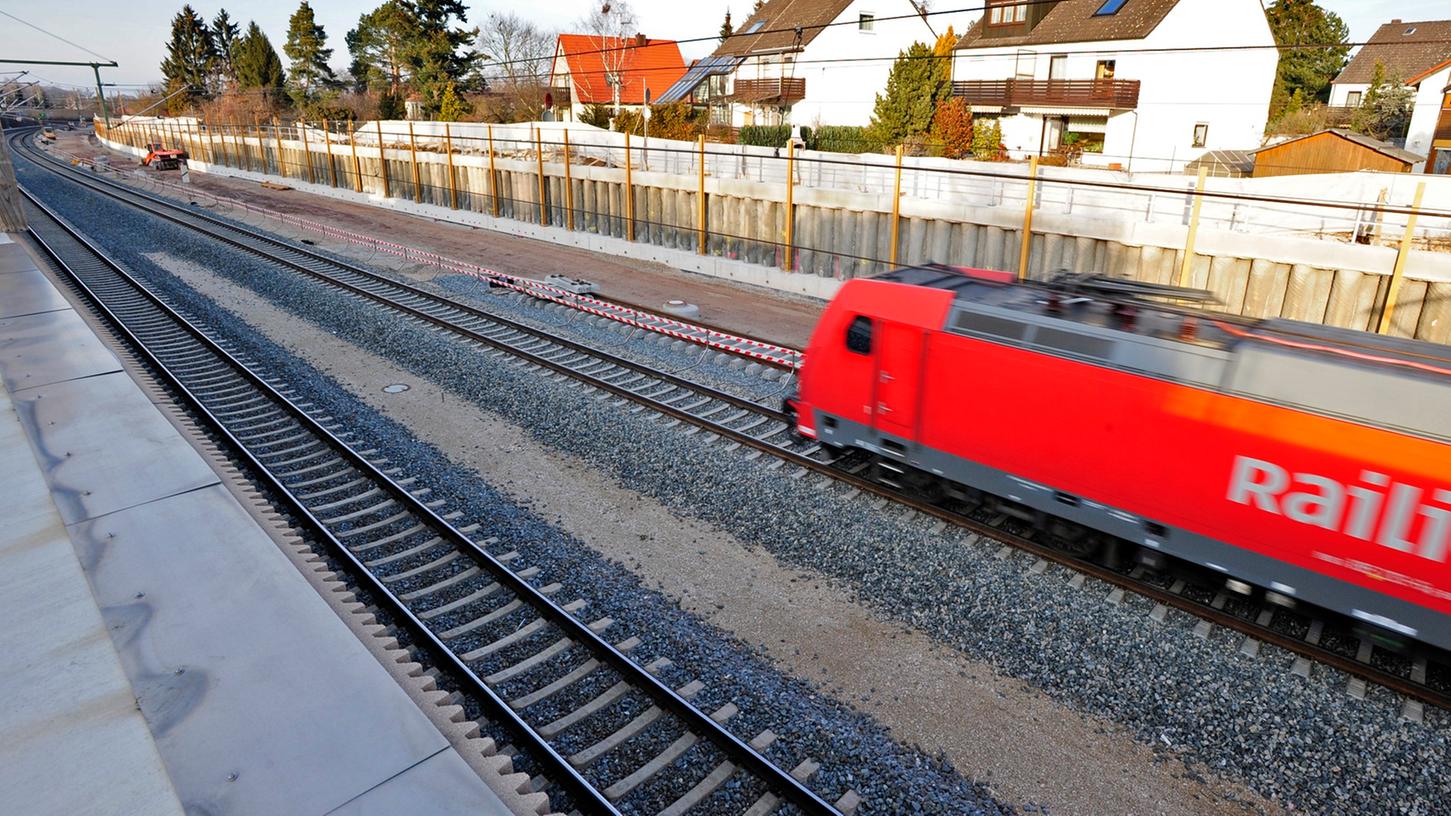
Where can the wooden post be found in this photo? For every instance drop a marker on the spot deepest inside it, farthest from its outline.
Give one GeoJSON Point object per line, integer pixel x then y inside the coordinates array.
{"type": "Point", "coordinates": [896, 210]}
{"type": "Point", "coordinates": [327, 140]}
{"type": "Point", "coordinates": [1027, 247]}
{"type": "Point", "coordinates": [206, 140]}
{"type": "Point", "coordinates": [452, 178]}
{"type": "Point", "coordinates": [306, 151]}
{"type": "Point", "coordinates": [568, 186]}
{"type": "Point", "coordinates": [383, 161]}
{"type": "Point", "coordinates": [357, 165]}
{"type": "Point", "coordinates": [543, 195]}
{"type": "Point", "coordinates": [629, 191]}
{"type": "Point", "coordinates": [1398, 273]}
{"type": "Point", "coordinates": [493, 174]}
{"type": "Point", "coordinates": [700, 236]}
{"type": "Point", "coordinates": [413, 152]}
{"type": "Point", "coordinates": [1186, 269]}
{"type": "Point", "coordinates": [277, 140]}
{"type": "Point", "coordinates": [789, 260]}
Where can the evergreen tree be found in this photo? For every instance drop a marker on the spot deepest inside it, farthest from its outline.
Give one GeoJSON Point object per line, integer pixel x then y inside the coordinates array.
{"type": "Point", "coordinates": [309, 76]}
{"type": "Point", "coordinates": [382, 46]}
{"type": "Point", "coordinates": [726, 30]}
{"type": "Point", "coordinates": [189, 58]}
{"type": "Point", "coordinates": [224, 38]}
{"type": "Point", "coordinates": [1385, 111]}
{"type": "Point", "coordinates": [442, 57]}
{"type": "Point", "coordinates": [258, 66]}
{"type": "Point", "coordinates": [451, 107]}
{"type": "Point", "coordinates": [920, 78]}
{"type": "Point", "coordinates": [1298, 23]}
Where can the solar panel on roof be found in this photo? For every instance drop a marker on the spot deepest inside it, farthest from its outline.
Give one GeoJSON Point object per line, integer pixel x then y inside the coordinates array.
{"type": "Point", "coordinates": [709, 66]}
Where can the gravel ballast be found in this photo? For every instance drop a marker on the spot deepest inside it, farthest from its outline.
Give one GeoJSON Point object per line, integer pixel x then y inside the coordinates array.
{"type": "Point", "coordinates": [1305, 743]}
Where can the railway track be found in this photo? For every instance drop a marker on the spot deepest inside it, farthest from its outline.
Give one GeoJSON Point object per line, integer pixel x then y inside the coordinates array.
{"type": "Point", "coordinates": [1422, 677]}
{"type": "Point", "coordinates": [537, 663]}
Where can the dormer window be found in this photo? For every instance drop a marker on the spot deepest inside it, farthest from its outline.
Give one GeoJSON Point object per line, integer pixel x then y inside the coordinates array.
{"type": "Point", "coordinates": [1007, 13]}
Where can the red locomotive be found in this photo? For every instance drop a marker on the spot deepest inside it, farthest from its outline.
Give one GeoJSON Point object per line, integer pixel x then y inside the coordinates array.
{"type": "Point", "coordinates": [1310, 461]}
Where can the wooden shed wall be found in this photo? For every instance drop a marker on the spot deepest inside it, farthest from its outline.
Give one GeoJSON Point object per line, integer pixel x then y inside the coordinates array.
{"type": "Point", "coordinates": [1323, 153]}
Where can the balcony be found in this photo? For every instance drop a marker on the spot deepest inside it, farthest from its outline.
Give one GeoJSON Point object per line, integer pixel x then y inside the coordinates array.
{"type": "Point", "coordinates": [781, 91]}
{"type": "Point", "coordinates": [1443, 128]}
{"type": "Point", "coordinates": [1114, 94]}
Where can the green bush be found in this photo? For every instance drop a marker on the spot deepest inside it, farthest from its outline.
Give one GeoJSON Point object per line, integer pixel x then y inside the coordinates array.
{"type": "Point", "coordinates": [765, 135]}
{"type": "Point", "coordinates": [844, 139]}
{"type": "Point", "coordinates": [597, 115]}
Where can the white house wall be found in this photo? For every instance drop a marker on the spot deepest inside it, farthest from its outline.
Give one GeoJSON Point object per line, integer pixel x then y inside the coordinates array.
{"type": "Point", "coordinates": [1426, 112]}
{"type": "Point", "coordinates": [1229, 91]}
{"type": "Point", "coordinates": [841, 86]}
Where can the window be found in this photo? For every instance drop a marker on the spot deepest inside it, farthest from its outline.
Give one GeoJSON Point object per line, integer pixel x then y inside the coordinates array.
{"type": "Point", "coordinates": [1027, 62]}
{"type": "Point", "coordinates": [1109, 7]}
{"type": "Point", "coordinates": [756, 26]}
{"type": "Point", "coordinates": [1058, 67]}
{"type": "Point", "coordinates": [866, 23]}
{"type": "Point", "coordinates": [1007, 14]}
{"type": "Point", "coordinates": [1201, 134]}
{"type": "Point", "coordinates": [1105, 69]}
{"type": "Point", "coordinates": [1352, 99]}
{"type": "Point", "coordinates": [859, 335]}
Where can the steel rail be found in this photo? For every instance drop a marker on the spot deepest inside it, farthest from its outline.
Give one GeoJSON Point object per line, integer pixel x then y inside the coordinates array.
{"type": "Point", "coordinates": [776, 779]}
{"type": "Point", "coordinates": [1266, 634]}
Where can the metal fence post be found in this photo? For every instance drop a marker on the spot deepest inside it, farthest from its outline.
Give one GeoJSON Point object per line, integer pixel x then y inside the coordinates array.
{"type": "Point", "coordinates": [1398, 273]}
{"type": "Point", "coordinates": [896, 209]}
{"type": "Point", "coordinates": [1027, 243]}
{"type": "Point", "coordinates": [1186, 269]}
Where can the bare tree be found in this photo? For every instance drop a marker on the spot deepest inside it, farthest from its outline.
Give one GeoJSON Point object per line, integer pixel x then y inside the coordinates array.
{"type": "Point", "coordinates": [516, 50]}
{"type": "Point", "coordinates": [611, 27]}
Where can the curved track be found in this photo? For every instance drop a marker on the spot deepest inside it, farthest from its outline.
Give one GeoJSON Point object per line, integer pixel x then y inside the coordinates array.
{"type": "Point", "coordinates": [1423, 677]}
{"type": "Point", "coordinates": [477, 614]}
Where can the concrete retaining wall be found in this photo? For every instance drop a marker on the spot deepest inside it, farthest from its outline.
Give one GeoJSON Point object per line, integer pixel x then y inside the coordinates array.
{"type": "Point", "coordinates": [842, 234]}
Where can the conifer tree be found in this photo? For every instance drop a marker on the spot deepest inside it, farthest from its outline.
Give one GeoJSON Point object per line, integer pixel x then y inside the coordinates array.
{"type": "Point", "coordinates": [442, 57]}
{"type": "Point", "coordinates": [920, 78]}
{"type": "Point", "coordinates": [189, 58]}
{"type": "Point", "coordinates": [309, 75]}
{"type": "Point", "coordinates": [224, 40]}
{"type": "Point", "coordinates": [726, 29]}
{"type": "Point", "coordinates": [258, 66]}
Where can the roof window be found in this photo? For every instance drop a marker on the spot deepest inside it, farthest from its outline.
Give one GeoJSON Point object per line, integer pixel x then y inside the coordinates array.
{"type": "Point", "coordinates": [1109, 7]}
{"type": "Point", "coordinates": [1409, 31]}
{"type": "Point", "coordinates": [756, 26]}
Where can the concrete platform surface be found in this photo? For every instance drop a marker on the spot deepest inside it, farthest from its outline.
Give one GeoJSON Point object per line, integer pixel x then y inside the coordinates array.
{"type": "Point", "coordinates": [227, 684]}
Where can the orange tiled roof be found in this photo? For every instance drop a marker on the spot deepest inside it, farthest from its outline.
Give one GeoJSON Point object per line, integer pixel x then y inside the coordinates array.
{"type": "Point", "coordinates": [656, 64]}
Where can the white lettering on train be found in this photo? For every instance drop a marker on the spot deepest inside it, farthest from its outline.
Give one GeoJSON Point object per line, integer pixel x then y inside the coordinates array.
{"type": "Point", "coordinates": [1354, 510]}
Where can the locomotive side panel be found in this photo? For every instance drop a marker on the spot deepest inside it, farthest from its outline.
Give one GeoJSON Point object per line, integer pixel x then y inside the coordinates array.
{"type": "Point", "coordinates": [1275, 481]}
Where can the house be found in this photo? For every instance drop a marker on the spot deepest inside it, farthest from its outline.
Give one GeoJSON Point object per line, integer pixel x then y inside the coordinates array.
{"type": "Point", "coordinates": [1332, 151]}
{"type": "Point", "coordinates": [801, 62]}
{"type": "Point", "coordinates": [1418, 54]}
{"type": "Point", "coordinates": [625, 73]}
{"type": "Point", "coordinates": [1129, 82]}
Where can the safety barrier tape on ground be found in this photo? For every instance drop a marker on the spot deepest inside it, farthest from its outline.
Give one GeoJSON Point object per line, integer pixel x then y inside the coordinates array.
{"type": "Point", "coordinates": [637, 318]}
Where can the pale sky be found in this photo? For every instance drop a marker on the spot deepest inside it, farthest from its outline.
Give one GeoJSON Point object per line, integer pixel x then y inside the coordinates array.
{"type": "Point", "coordinates": [134, 32]}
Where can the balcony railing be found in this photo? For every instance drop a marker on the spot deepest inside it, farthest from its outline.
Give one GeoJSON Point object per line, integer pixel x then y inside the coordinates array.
{"type": "Point", "coordinates": [781, 91]}
{"type": "Point", "coordinates": [1056, 93]}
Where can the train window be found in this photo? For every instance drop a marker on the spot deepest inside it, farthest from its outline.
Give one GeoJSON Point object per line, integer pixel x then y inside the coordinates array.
{"type": "Point", "coordinates": [859, 335]}
{"type": "Point", "coordinates": [1074, 343]}
{"type": "Point", "coordinates": [987, 324]}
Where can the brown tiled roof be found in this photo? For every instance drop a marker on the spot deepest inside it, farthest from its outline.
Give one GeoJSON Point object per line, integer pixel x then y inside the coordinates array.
{"type": "Point", "coordinates": [1407, 49]}
{"type": "Point", "coordinates": [778, 20]}
{"type": "Point", "coordinates": [1074, 21]}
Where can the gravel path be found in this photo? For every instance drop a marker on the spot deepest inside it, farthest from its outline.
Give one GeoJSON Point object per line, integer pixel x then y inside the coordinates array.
{"type": "Point", "coordinates": [1304, 743]}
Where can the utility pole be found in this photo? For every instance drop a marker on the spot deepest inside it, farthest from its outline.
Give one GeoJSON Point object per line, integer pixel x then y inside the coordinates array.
{"type": "Point", "coordinates": [94, 66]}
{"type": "Point", "coordinates": [101, 96]}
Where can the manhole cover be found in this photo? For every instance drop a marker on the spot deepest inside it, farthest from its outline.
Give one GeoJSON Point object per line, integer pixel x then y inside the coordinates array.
{"type": "Point", "coordinates": [395, 388]}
